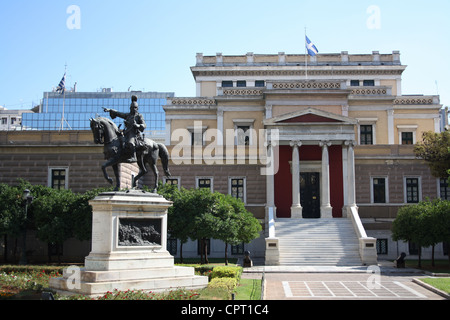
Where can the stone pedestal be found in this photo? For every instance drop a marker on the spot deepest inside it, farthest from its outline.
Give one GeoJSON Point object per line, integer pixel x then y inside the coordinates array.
{"type": "Point", "coordinates": [129, 249]}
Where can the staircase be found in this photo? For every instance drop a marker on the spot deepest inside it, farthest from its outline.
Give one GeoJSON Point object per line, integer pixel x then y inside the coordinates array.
{"type": "Point", "coordinates": [317, 242]}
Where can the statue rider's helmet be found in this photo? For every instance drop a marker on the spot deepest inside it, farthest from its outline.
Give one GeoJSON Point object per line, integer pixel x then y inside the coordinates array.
{"type": "Point", "coordinates": [134, 105]}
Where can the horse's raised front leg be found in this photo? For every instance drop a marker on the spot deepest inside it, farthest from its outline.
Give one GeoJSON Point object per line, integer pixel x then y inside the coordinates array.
{"type": "Point", "coordinates": [112, 162]}
{"type": "Point", "coordinates": [105, 174]}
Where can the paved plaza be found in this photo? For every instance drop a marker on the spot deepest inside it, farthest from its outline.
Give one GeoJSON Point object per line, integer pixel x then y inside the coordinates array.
{"type": "Point", "coordinates": [337, 286]}
{"type": "Point", "coordinates": [341, 283]}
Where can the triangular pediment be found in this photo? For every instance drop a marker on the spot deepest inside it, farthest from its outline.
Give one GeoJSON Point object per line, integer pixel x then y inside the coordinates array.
{"type": "Point", "coordinates": [310, 116]}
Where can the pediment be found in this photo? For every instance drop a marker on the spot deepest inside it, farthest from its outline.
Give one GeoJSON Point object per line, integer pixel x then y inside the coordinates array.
{"type": "Point", "coordinates": [310, 116]}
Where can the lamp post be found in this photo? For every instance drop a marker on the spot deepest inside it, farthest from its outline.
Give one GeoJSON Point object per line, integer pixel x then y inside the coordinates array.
{"type": "Point", "coordinates": [27, 200]}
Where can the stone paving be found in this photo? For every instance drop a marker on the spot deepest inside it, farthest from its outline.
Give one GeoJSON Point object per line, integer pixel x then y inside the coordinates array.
{"type": "Point", "coordinates": [339, 286]}
{"type": "Point", "coordinates": [381, 282]}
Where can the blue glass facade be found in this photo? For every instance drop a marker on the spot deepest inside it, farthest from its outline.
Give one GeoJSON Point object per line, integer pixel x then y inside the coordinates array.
{"type": "Point", "coordinates": [79, 107]}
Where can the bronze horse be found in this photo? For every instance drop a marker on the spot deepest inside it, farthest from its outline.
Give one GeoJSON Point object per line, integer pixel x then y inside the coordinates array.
{"type": "Point", "coordinates": [107, 133]}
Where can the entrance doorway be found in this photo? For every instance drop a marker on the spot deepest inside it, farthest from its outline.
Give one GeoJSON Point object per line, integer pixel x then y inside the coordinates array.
{"type": "Point", "coordinates": [310, 194]}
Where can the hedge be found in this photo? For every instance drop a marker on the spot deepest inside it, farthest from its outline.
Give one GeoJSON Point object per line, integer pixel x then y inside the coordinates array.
{"type": "Point", "coordinates": [227, 283]}
{"type": "Point", "coordinates": [226, 272]}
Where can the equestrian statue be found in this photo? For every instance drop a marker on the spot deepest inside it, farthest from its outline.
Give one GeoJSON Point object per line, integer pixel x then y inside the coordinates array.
{"type": "Point", "coordinates": [128, 145]}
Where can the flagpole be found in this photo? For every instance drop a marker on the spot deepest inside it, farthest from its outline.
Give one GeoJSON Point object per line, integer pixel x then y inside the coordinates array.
{"type": "Point", "coordinates": [306, 57]}
{"type": "Point", "coordinates": [61, 128]}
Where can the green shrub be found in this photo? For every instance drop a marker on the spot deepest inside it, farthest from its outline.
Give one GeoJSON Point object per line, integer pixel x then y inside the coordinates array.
{"type": "Point", "coordinates": [226, 272]}
{"type": "Point", "coordinates": [227, 283]}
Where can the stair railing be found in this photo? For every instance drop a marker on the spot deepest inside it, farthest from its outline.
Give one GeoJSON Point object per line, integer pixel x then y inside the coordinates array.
{"type": "Point", "coordinates": [272, 242]}
{"type": "Point", "coordinates": [367, 245]}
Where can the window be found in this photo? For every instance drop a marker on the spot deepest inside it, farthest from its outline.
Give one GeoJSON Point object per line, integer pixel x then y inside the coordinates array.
{"type": "Point", "coordinates": [237, 249]}
{"type": "Point", "coordinates": [206, 183]}
{"type": "Point", "coordinates": [260, 83]}
{"type": "Point", "coordinates": [243, 131]}
{"type": "Point", "coordinates": [55, 249]}
{"type": "Point", "coordinates": [379, 190]}
{"type": "Point", "coordinates": [4, 121]}
{"type": "Point", "coordinates": [412, 190]}
{"type": "Point", "coordinates": [197, 133]}
{"type": "Point", "coordinates": [196, 138]}
{"type": "Point", "coordinates": [382, 246]}
{"type": "Point", "coordinates": [227, 84]}
{"type": "Point", "coordinates": [407, 134]}
{"type": "Point", "coordinates": [407, 138]}
{"type": "Point", "coordinates": [13, 120]}
{"type": "Point", "coordinates": [237, 188]}
{"type": "Point", "coordinates": [243, 135]}
{"type": "Point", "coordinates": [354, 83]}
{"type": "Point", "coordinates": [58, 178]}
{"type": "Point", "coordinates": [241, 84]}
{"type": "Point", "coordinates": [413, 248]}
{"type": "Point", "coordinates": [444, 189]}
{"type": "Point", "coordinates": [366, 134]}
{"type": "Point", "coordinates": [369, 83]}
{"type": "Point", "coordinates": [208, 246]}
{"type": "Point", "coordinates": [173, 181]}
{"type": "Point", "coordinates": [172, 246]}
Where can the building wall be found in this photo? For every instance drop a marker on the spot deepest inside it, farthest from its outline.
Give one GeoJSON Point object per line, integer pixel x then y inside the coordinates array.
{"type": "Point", "coordinates": [30, 155]}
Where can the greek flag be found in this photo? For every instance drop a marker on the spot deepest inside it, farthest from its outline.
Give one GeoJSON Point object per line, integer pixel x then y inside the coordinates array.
{"type": "Point", "coordinates": [312, 50]}
{"type": "Point", "coordinates": [62, 85]}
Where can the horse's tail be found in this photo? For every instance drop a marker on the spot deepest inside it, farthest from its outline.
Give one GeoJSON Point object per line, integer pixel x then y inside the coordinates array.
{"type": "Point", "coordinates": [164, 155]}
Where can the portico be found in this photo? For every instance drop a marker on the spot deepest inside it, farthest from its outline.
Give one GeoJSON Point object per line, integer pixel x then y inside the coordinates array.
{"type": "Point", "coordinates": [316, 163]}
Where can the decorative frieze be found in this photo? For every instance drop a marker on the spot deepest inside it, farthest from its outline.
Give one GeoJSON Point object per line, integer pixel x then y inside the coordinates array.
{"type": "Point", "coordinates": [414, 100]}
{"type": "Point", "coordinates": [191, 101]}
{"type": "Point", "coordinates": [306, 85]}
{"type": "Point", "coordinates": [242, 92]}
{"type": "Point", "coordinates": [366, 91]}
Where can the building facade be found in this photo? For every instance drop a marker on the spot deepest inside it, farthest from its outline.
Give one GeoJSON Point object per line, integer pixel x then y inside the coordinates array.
{"type": "Point", "coordinates": [11, 119]}
{"type": "Point", "coordinates": [336, 131]}
{"type": "Point", "coordinates": [330, 140]}
{"type": "Point", "coordinates": [72, 110]}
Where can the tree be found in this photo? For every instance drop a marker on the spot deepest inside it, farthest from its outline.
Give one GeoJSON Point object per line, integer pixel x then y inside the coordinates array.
{"type": "Point", "coordinates": [406, 226]}
{"type": "Point", "coordinates": [442, 222]}
{"type": "Point", "coordinates": [242, 226]}
{"type": "Point", "coordinates": [13, 220]}
{"type": "Point", "coordinates": [429, 224]}
{"type": "Point", "coordinates": [53, 216]}
{"type": "Point", "coordinates": [229, 226]}
{"type": "Point", "coordinates": [435, 150]}
{"type": "Point", "coordinates": [199, 214]}
{"type": "Point", "coordinates": [179, 214]}
{"type": "Point", "coordinates": [206, 221]}
{"type": "Point", "coordinates": [426, 224]}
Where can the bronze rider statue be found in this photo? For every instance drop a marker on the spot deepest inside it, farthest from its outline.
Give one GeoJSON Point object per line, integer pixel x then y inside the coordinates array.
{"type": "Point", "coordinates": [134, 126]}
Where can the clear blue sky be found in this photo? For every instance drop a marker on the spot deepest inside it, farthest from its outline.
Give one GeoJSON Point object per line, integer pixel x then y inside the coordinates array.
{"type": "Point", "coordinates": [151, 45]}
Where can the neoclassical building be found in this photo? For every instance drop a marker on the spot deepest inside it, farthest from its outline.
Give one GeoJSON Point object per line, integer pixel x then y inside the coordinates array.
{"type": "Point", "coordinates": [320, 152]}
{"type": "Point", "coordinates": [321, 143]}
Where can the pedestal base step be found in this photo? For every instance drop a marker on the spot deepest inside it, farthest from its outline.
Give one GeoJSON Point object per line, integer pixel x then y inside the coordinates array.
{"type": "Point", "coordinates": [97, 283]}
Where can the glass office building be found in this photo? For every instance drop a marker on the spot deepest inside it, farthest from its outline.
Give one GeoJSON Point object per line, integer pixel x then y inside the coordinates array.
{"type": "Point", "coordinates": [73, 111]}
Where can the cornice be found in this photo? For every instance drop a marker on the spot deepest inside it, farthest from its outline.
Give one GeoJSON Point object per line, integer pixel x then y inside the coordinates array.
{"type": "Point", "coordinates": [296, 71]}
